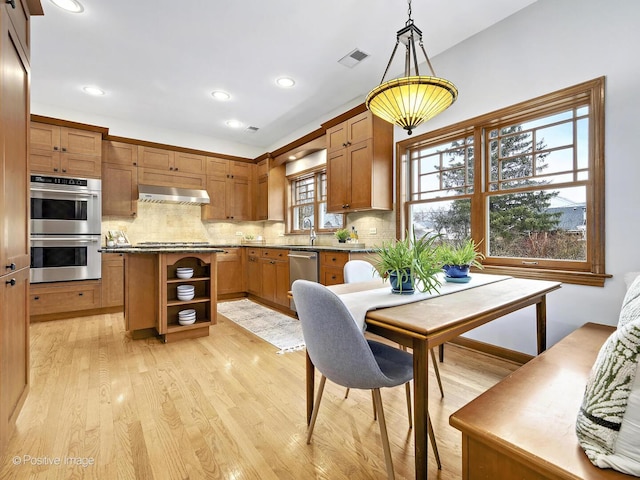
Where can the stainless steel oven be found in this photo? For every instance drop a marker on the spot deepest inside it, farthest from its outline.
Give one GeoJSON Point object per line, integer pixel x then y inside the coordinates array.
{"type": "Point", "coordinates": [66, 217]}
{"type": "Point", "coordinates": [60, 258]}
{"type": "Point", "coordinates": [64, 205]}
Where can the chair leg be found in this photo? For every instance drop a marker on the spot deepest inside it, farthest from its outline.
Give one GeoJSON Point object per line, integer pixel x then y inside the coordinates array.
{"type": "Point", "coordinates": [432, 437]}
{"type": "Point", "coordinates": [408, 388]}
{"type": "Point", "coordinates": [346, 393]}
{"type": "Point", "coordinates": [383, 434]}
{"type": "Point", "coordinates": [373, 401]}
{"type": "Point", "coordinates": [437, 371]}
{"type": "Point", "coordinates": [316, 407]}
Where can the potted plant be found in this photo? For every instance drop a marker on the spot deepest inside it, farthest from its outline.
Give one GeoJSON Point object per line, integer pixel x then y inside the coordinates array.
{"type": "Point", "coordinates": [457, 259]}
{"type": "Point", "coordinates": [409, 263]}
{"type": "Point", "coordinates": [342, 234]}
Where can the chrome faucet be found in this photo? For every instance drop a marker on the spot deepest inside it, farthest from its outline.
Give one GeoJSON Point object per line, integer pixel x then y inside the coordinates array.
{"type": "Point", "coordinates": [312, 232]}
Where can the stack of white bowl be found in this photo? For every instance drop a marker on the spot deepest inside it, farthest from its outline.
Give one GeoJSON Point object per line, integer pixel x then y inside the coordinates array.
{"type": "Point", "coordinates": [186, 292]}
{"type": "Point", "coordinates": [186, 317]}
{"type": "Point", "coordinates": [184, 272]}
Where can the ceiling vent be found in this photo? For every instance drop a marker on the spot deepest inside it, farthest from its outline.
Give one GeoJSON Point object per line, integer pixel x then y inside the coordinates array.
{"type": "Point", "coordinates": [252, 129]}
{"type": "Point", "coordinates": [353, 58]}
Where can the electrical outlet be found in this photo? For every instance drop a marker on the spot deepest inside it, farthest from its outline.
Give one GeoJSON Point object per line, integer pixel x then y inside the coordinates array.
{"type": "Point", "coordinates": [239, 234]}
{"type": "Point", "coordinates": [373, 231]}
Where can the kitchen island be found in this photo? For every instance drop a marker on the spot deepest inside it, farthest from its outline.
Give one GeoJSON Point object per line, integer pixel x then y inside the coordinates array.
{"type": "Point", "coordinates": [151, 302]}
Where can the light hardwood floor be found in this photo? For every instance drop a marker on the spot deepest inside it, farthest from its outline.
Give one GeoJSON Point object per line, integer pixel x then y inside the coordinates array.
{"type": "Point", "coordinates": [219, 407]}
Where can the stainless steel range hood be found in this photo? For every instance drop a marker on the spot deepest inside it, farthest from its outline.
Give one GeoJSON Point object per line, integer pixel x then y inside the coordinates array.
{"type": "Point", "coordinates": [183, 196]}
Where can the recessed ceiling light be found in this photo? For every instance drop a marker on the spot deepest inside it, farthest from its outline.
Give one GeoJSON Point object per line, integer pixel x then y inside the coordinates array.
{"type": "Point", "coordinates": [285, 82]}
{"type": "Point", "coordinates": [292, 157]}
{"type": "Point", "coordinates": [72, 6]}
{"type": "Point", "coordinates": [93, 91]}
{"type": "Point", "coordinates": [234, 124]}
{"type": "Point", "coordinates": [220, 95]}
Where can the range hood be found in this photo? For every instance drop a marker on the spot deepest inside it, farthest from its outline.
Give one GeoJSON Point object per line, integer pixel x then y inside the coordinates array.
{"type": "Point", "coordinates": [183, 196]}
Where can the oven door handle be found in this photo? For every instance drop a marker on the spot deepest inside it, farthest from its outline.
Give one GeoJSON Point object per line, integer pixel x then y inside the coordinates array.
{"type": "Point", "coordinates": [67, 192]}
{"type": "Point", "coordinates": [71, 239]}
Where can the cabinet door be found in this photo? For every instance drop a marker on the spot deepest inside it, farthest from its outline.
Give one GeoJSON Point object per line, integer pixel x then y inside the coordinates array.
{"type": "Point", "coordinates": [156, 158]}
{"type": "Point", "coordinates": [80, 165]}
{"type": "Point", "coordinates": [189, 163]}
{"type": "Point", "coordinates": [217, 167]}
{"type": "Point", "coordinates": [120, 153]}
{"type": "Point", "coordinates": [282, 283]}
{"type": "Point", "coordinates": [217, 208]}
{"type": "Point", "coordinates": [119, 189]}
{"type": "Point", "coordinates": [112, 280]}
{"type": "Point", "coordinates": [262, 198]}
{"type": "Point", "coordinates": [337, 176]}
{"type": "Point", "coordinates": [44, 161]}
{"type": "Point", "coordinates": [359, 175]}
{"type": "Point", "coordinates": [153, 176]}
{"type": "Point", "coordinates": [269, 282]}
{"type": "Point", "coordinates": [238, 199]}
{"type": "Point", "coordinates": [14, 173]}
{"type": "Point", "coordinates": [44, 137]}
{"type": "Point", "coordinates": [14, 347]}
{"type": "Point", "coordinates": [359, 128]}
{"type": "Point", "coordinates": [254, 275]}
{"type": "Point", "coordinates": [337, 137]}
{"type": "Point", "coordinates": [230, 271]}
{"type": "Point", "coordinates": [81, 142]}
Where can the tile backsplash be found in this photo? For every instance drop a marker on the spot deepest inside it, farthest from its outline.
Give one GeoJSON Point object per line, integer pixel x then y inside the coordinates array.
{"type": "Point", "coordinates": [174, 223]}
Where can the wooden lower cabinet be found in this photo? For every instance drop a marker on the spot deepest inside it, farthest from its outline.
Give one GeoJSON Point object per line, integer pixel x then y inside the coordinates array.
{"type": "Point", "coordinates": [63, 297]}
{"type": "Point", "coordinates": [332, 267]}
{"type": "Point", "coordinates": [275, 276]}
{"type": "Point", "coordinates": [230, 272]}
{"type": "Point", "coordinates": [253, 271]}
{"type": "Point", "coordinates": [112, 280]}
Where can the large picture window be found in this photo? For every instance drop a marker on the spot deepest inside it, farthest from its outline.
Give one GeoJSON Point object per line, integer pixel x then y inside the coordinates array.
{"type": "Point", "coordinates": [308, 204]}
{"type": "Point", "coordinates": [525, 182]}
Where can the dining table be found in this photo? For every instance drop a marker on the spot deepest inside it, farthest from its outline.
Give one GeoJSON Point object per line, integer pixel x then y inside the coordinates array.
{"type": "Point", "coordinates": [428, 323]}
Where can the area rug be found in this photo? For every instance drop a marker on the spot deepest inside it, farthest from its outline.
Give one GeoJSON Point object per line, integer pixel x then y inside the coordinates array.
{"type": "Point", "coordinates": [278, 329]}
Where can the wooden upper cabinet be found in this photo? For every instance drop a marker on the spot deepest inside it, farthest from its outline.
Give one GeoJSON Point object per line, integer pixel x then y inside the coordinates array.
{"type": "Point", "coordinates": [360, 165]}
{"type": "Point", "coordinates": [158, 166]}
{"type": "Point", "coordinates": [119, 153]}
{"type": "Point", "coordinates": [65, 151]}
{"type": "Point", "coordinates": [270, 192]}
{"type": "Point", "coordinates": [229, 185]}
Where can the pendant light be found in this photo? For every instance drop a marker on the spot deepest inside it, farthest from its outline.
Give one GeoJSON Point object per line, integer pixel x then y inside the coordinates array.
{"type": "Point", "coordinates": [411, 100]}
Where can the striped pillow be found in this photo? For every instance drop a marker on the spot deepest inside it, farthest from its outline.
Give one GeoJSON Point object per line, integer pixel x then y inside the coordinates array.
{"type": "Point", "coordinates": [608, 423]}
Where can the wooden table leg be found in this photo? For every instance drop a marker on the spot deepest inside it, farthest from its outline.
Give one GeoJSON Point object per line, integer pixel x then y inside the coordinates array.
{"type": "Point", "coordinates": [311, 383]}
{"type": "Point", "coordinates": [420, 402]}
{"type": "Point", "coordinates": [541, 323]}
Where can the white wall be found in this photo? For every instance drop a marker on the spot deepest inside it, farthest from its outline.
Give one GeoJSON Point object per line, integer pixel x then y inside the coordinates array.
{"type": "Point", "coordinates": [550, 45]}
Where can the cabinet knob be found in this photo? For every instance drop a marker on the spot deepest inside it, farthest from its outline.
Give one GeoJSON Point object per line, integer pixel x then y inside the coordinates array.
{"type": "Point", "coordinates": [64, 169]}
{"type": "Point", "coordinates": [11, 282]}
{"type": "Point", "coordinates": [55, 169]}
{"type": "Point", "coordinates": [81, 294]}
{"type": "Point", "coordinates": [133, 214]}
{"type": "Point", "coordinates": [11, 266]}
{"type": "Point", "coordinates": [55, 148]}
{"type": "Point", "coordinates": [64, 149]}
{"type": "Point", "coordinates": [135, 163]}
{"type": "Point", "coordinates": [175, 169]}
{"type": "Point", "coordinates": [36, 298]}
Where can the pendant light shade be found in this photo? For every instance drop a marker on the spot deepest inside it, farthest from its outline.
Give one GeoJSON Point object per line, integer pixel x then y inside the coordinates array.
{"type": "Point", "coordinates": [411, 100]}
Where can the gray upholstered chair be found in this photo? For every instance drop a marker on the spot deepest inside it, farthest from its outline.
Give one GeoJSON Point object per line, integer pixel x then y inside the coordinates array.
{"type": "Point", "coordinates": [341, 353]}
{"type": "Point", "coordinates": [362, 271]}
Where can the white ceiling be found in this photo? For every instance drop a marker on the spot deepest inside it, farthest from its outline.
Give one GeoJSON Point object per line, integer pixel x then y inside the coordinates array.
{"type": "Point", "coordinates": [159, 60]}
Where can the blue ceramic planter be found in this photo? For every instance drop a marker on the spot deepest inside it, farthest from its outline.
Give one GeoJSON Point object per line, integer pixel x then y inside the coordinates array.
{"type": "Point", "coordinates": [456, 271]}
{"type": "Point", "coordinates": [403, 288]}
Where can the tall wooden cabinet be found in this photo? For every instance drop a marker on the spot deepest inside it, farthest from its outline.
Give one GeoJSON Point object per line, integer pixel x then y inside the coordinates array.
{"type": "Point", "coordinates": [360, 165]}
{"type": "Point", "coordinates": [270, 191]}
{"type": "Point", "coordinates": [14, 209]}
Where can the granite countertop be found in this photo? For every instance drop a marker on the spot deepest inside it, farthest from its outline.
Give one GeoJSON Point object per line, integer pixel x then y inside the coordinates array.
{"type": "Point", "coordinates": [219, 248]}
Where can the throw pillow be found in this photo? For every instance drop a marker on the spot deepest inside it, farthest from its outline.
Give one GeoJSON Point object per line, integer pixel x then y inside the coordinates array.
{"type": "Point", "coordinates": [610, 410]}
{"type": "Point", "coordinates": [630, 310]}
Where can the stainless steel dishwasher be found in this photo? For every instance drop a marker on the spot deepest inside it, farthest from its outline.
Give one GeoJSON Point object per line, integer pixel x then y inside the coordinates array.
{"type": "Point", "coordinates": [303, 265]}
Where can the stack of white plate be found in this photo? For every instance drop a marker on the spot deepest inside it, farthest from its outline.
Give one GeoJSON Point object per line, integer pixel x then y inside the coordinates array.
{"type": "Point", "coordinates": [186, 317]}
{"type": "Point", "coordinates": [186, 292]}
{"type": "Point", "coordinates": [184, 272]}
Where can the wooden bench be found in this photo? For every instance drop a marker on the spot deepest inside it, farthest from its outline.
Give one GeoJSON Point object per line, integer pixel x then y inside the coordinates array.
{"type": "Point", "coordinates": [524, 427]}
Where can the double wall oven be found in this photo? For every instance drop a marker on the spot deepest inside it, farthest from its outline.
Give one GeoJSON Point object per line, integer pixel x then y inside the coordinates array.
{"type": "Point", "coordinates": [66, 216]}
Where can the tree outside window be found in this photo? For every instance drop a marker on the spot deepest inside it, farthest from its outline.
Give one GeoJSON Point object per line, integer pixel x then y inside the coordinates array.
{"type": "Point", "coordinates": [309, 204]}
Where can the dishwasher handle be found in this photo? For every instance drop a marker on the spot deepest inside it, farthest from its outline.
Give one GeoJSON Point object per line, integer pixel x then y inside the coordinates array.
{"type": "Point", "coordinates": [311, 256]}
